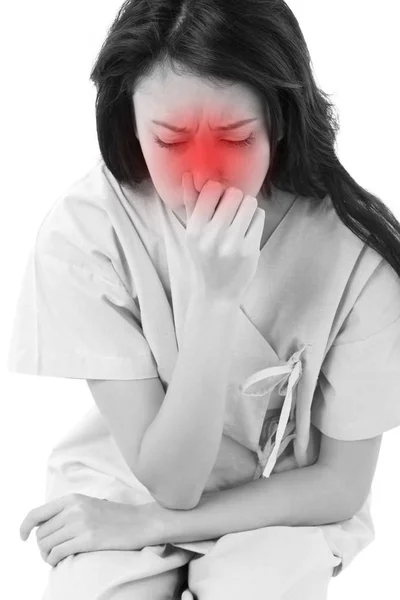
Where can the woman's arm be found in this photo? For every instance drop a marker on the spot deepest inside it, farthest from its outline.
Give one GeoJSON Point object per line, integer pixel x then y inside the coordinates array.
{"type": "Point", "coordinates": [301, 497]}
{"type": "Point", "coordinates": [180, 446]}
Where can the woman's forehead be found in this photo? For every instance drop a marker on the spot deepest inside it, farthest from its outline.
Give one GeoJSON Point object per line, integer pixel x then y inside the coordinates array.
{"type": "Point", "coordinates": [183, 102]}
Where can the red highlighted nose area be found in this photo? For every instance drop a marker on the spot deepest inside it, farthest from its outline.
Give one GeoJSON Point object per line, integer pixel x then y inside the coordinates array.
{"type": "Point", "coordinates": [202, 148]}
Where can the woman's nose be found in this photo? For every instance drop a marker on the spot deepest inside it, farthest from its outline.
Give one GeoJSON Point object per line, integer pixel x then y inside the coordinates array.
{"type": "Point", "coordinates": [205, 160]}
{"type": "Point", "coordinates": [199, 179]}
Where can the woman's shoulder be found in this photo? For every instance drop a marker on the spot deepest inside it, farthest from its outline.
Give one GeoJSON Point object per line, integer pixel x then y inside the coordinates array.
{"type": "Point", "coordinates": [80, 215]}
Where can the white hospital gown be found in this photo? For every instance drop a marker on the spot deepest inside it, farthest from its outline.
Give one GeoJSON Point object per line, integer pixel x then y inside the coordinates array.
{"type": "Point", "coordinates": [104, 296]}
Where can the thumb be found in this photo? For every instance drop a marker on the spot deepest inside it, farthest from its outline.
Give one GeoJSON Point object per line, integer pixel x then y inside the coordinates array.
{"type": "Point", "coordinates": [189, 194]}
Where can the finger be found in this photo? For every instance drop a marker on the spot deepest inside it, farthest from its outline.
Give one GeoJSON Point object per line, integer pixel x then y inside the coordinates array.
{"type": "Point", "coordinates": [72, 546]}
{"type": "Point", "coordinates": [256, 228]}
{"type": "Point", "coordinates": [50, 526]}
{"type": "Point", "coordinates": [189, 194]}
{"type": "Point", "coordinates": [46, 545]}
{"type": "Point", "coordinates": [40, 514]}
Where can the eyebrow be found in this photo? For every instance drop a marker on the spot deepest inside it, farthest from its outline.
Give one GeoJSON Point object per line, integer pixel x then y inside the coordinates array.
{"type": "Point", "coordinates": [220, 128]}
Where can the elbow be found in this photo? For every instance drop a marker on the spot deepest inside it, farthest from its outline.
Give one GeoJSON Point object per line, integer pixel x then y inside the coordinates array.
{"type": "Point", "coordinates": [170, 496]}
{"type": "Point", "coordinates": [179, 505]}
{"type": "Point", "coordinates": [343, 499]}
{"type": "Point", "coordinates": [353, 499]}
{"type": "Point", "coordinates": [355, 504]}
{"type": "Point", "coordinates": [350, 500]}
{"type": "Point", "coordinates": [171, 499]}
{"type": "Point", "coordinates": [174, 502]}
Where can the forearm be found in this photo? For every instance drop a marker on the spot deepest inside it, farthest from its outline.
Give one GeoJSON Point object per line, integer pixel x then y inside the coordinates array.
{"type": "Point", "coordinates": [180, 446]}
{"type": "Point", "coordinates": [300, 497]}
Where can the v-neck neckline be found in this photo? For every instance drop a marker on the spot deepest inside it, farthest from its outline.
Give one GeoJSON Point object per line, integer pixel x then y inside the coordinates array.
{"type": "Point", "coordinates": [288, 215]}
{"type": "Point", "coordinates": [278, 193]}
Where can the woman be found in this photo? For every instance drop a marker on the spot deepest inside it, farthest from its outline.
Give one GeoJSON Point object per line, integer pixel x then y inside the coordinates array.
{"type": "Point", "coordinates": [235, 349]}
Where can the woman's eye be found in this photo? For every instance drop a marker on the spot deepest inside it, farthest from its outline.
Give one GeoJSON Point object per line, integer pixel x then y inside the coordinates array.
{"type": "Point", "coordinates": [176, 145]}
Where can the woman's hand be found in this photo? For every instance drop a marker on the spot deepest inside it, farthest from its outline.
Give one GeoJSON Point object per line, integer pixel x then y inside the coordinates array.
{"type": "Point", "coordinates": [78, 523]}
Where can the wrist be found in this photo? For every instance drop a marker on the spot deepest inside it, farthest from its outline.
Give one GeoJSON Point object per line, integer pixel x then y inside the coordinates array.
{"type": "Point", "coordinates": [161, 522]}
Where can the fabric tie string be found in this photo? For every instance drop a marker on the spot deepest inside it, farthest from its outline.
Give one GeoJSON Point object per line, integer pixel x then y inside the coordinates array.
{"type": "Point", "coordinates": [294, 368]}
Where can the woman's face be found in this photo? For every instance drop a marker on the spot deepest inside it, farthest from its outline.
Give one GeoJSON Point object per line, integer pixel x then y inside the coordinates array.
{"type": "Point", "coordinates": [238, 157]}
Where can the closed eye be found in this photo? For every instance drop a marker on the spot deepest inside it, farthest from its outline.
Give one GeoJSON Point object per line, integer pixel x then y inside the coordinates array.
{"type": "Point", "coordinates": [247, 142]}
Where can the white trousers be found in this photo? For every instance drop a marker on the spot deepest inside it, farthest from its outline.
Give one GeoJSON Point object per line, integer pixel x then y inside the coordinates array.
{"type": "Point", "coordinates": [271, 563]}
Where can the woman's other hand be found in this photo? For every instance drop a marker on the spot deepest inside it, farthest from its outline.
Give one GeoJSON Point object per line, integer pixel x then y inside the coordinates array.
{"type": "Point", "coordinates": [78, 523]}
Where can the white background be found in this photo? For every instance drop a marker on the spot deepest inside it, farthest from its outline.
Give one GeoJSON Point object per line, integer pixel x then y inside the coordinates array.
{"type": "Point", "coordinates": [49, 141]}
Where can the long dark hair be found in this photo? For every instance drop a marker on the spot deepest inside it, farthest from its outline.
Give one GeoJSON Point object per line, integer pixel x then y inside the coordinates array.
{"type": "Point", "coordinates": [258, 43]}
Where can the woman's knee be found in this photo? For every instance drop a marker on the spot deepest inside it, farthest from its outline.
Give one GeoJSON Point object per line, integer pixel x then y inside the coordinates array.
{"type": "Point", "coordinates": [271, 559]}
{"type": "Point", "coordinates": [114, 575]}
{"type": "Point", "coordinates": [163, 586]}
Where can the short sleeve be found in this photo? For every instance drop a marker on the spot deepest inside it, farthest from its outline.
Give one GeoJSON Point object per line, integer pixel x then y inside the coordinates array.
{"type": "Point", "coordinates": [73, 322]}
{"type": "Point", "coordinates": [358, 390]}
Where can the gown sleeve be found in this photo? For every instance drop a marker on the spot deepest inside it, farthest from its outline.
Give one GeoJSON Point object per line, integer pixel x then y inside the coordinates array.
{"type": "Point", "coordinates": [358, 390]}
{"type": "Point", "coordinates": [75, 318]}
